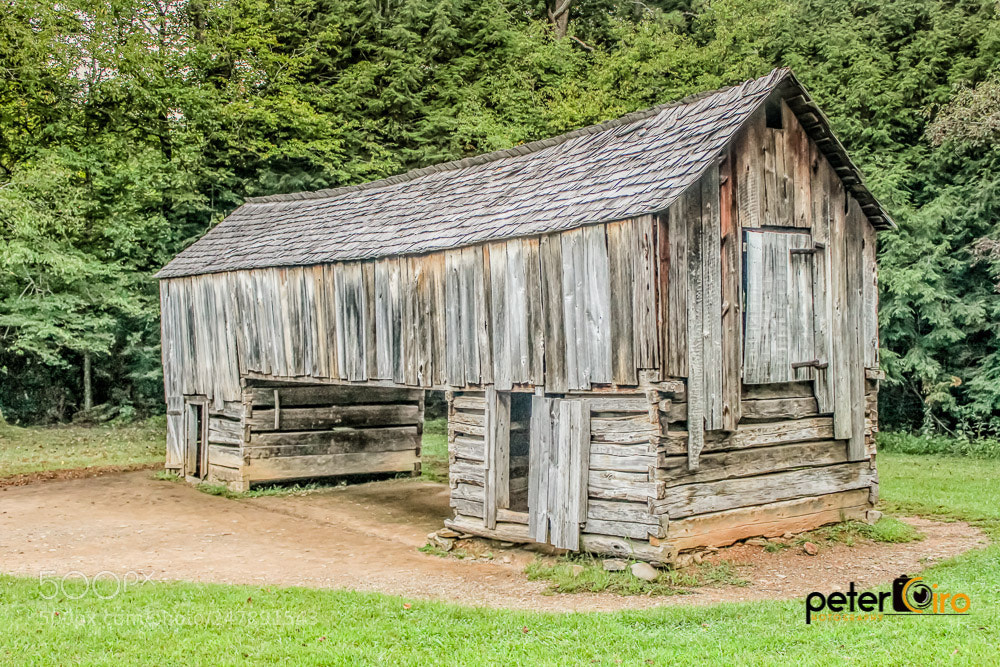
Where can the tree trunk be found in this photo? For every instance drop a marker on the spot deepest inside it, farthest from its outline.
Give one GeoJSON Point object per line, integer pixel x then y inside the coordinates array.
{"type": "Point", "coordinates": [88, 391]}
{"type": "Point", "coordinates": [559, 16]}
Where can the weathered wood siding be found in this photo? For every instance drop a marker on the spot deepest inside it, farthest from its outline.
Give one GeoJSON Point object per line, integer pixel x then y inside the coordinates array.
{"type": "Point", "coordinates": [523, 312]}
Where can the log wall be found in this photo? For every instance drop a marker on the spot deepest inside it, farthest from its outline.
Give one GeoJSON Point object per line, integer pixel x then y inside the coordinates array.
{"type": "Point", "coordinates": [279, 432]}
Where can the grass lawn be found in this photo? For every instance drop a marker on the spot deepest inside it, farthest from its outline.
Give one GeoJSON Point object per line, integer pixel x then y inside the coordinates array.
{"type": "Point", "coordinates": [205, 624]}
{"type": "Point", "coordinates": [27, 450]}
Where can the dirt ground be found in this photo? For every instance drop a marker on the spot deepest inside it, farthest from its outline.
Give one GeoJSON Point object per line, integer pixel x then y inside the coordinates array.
{"type": "Point", "coordinates": [366, 537]}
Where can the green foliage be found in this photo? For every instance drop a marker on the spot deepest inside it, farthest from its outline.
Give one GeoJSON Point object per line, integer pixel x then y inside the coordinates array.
{"type": "Point", "coordinates": [434, 451]}
{"type": "Point", "coordinates": [128, 128]}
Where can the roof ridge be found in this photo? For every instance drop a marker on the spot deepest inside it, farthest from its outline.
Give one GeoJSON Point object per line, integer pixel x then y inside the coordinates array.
{"type": "Point", "coordinates": [778, 74]}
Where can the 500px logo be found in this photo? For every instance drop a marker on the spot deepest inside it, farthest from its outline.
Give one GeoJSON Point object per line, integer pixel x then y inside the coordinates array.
{"type": "Point", "coordinates": [909, 595]}
{"type": "Point", "coordinates": [104, 585]}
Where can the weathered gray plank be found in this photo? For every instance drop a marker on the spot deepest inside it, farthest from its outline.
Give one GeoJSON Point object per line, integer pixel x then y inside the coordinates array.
{"type": "Point", "coordinates": [711, 286]}
{"type": "Point", "coordinates": [683, 501]}
{"type": "Point", "coordinates": [550, 261]}
{"type": "Point", "coordinates": [695, 328]}
{"type": "Point", "coordinates": [622, 246]}
{"type": "Point", "coordinates": [497, 454]}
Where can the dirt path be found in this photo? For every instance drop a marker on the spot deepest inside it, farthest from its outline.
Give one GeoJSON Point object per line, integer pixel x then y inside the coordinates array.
{"type": "Point", "coordinates": [363, 537]}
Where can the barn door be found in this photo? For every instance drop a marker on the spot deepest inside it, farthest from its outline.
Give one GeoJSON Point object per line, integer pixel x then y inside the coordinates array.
{"type": "Point", "coordinates": [778, 339]}
{"type": "Point", "coordinates": [558, 465]}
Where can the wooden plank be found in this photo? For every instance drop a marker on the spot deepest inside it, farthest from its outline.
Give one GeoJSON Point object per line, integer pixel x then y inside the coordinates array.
{"type": "Point", "coordinates": [780, 408]}
{"type": "Point", "coordinates": [368, 323]}
{"type": "Point", "coordinates": [822, 281]}
{"type": "Point", "coordinates": [468, 472]}
{"type": "Point", "coordinates": [302, 467]}
{"type": "Point", "coordinates": [798, 150]}
{"type": "Point", "coordinates": [454, 341]}
{"type": "Point", "coordinates": [534, 345]}
{"type": "Point", "coordinates": [749, 153]}
{"type": "Point", "coordinates": [408, 270]}
{"type": "Point", "coordinates": [436, 275]}
{"type": "Point", "coordinates": [855, 327]}
{"type": "Point", "coordinates": [720, 529]}
{"type": "Point", "coordinates": [263, 397]}
{"type": "Point", "coordinates": [616, 485]}
{"type": "Point", "coordinates": [840, 338]}
{"type": "Point", "coordinates": [711, 287]}
{"type": "Point", "coordinates": [869, 310]}
{"type": "Point", "coordinates": [869, 307]}
{"type": "Point", "coordinates": [324, 418]}
{"type": "Point", "coordinates": [541, 435]}
{"type": "Point", "coordinates": [516, 296]}
{"type": "Point", "coordinates": [497, 454]}
{"type": "Point", "coordinates": [609, 510]}
{"type": "Point", "coordinates": [500, 324]}
{"type": "Point", "coordinates": [217, 473]}
{"type": "Point", "coordinates": [752, 462]}
{"type": "Point", "coordinates": [464, 447]}
{"type": "Point", "coordinates": [333, 441]}
{"type": "Point", "coordinates": [622, 430]}
{"type": "Point", "coordinates": [641, 463]}
{"type": "Point", "coordinates": [221, 455]}
{"type": "Point", "coordinates": [645, 293]}
{"type": "Point", "coordinates": [597, 298]}
{"type": "Point", "coordinates": [676, 322]}
{"type": "Point", "coordinates": [577, 342]}
{"type": "Point", "coordinates": [683, 501]}
{"type": "Point", "coordinates": [622, 246]}
{"type": "Point", "coordinates": [473, 313]}
{"type": "Point", "coordinates": [732, 283]}
{"type": "Point", "coordinates": [567, 486]}
{"type": "Point", "coordinates": [695, 328]}
{"type": "Point", "coordinates": [635, 531]}
{"type": "Point", "coordinates": [550, 264]}
{"type": "Point", "coordinates": [383, 321]}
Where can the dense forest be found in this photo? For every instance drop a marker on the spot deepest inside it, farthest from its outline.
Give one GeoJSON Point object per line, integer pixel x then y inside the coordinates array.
{"type": "Point", "coordinates": [129, 127]}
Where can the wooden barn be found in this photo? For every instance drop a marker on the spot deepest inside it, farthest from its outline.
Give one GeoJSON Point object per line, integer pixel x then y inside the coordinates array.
{"type": "Point", "coordinates": [655, 334]}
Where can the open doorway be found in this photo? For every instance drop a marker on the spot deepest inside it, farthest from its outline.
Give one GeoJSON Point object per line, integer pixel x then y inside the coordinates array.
{"type": "Point", "coordinates": [520, 440]}
{"type": "Point", "coordinates": [195, 437]}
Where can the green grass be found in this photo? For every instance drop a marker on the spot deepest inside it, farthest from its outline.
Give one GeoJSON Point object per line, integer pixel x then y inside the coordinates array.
{"type": "Point", "coordinates": [886, 529]}
{"type": "Point", "coordinates": [175, 623]}
{"type": "Point", "coordinates": [262, 491]}
{"type": "Point", "coordinates": [908, 443]}
{"type": "Point", "coordinates": [35, 449]}
{"type": "Point", "coordinates": [585, 574]}
{"type": "Point", "coordinates": [434, 451]}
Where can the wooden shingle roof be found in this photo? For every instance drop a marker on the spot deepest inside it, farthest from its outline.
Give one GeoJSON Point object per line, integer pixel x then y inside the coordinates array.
{"type": "Point", "coordinates": [632, 166]}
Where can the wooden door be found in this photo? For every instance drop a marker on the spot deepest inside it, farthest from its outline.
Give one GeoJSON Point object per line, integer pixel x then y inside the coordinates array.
{"type": "Point", "coordinates": [558, 466]}
{"type": "Point", "coordinates": [195, 437]}
{"type": "Point", "coordinates": [778, 338]}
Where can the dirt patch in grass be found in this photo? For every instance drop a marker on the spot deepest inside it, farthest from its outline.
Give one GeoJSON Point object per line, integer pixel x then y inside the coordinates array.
{"type": "Point", "coordinates": [367, 537]}
{"type": "Point", "coordinates": [73, 473]}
